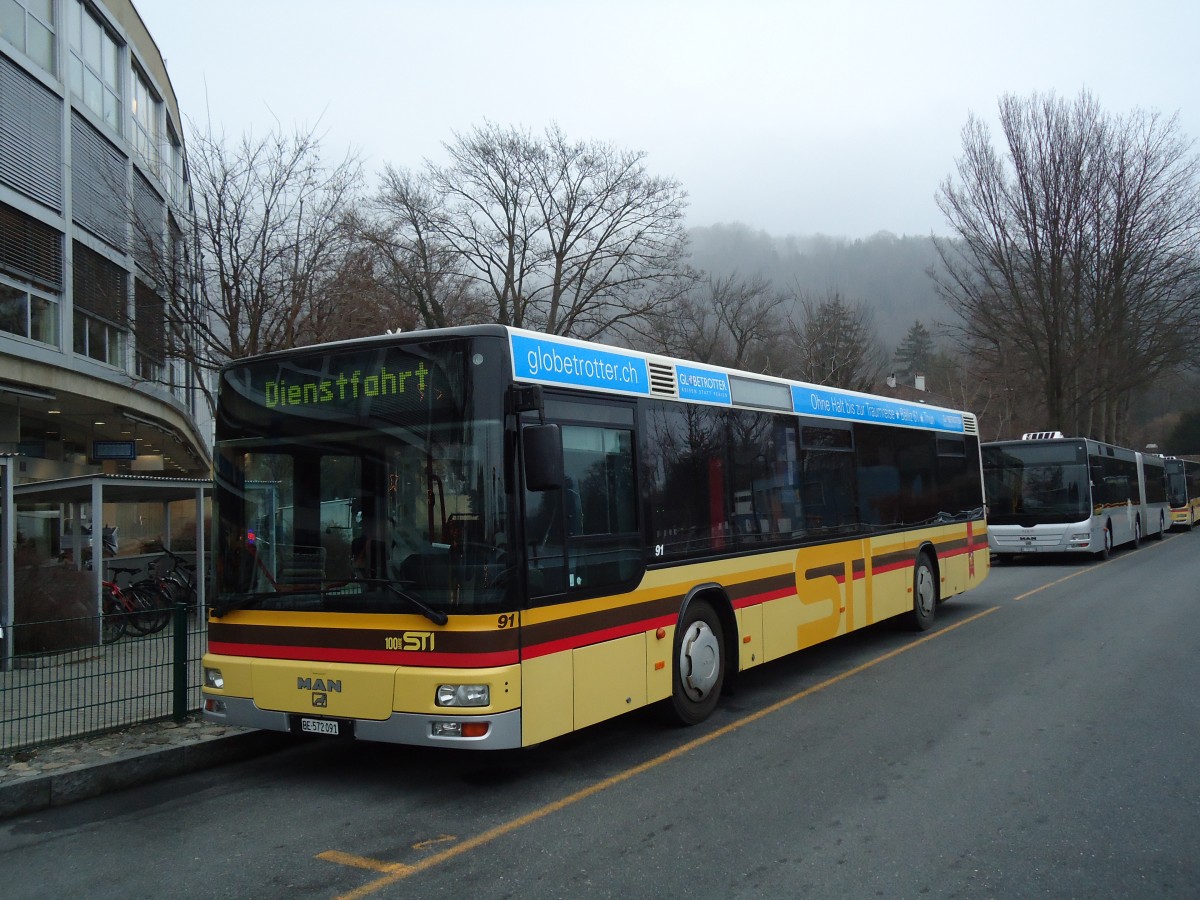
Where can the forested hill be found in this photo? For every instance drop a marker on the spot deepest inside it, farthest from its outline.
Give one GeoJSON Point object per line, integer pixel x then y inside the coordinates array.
{"type": "Point", "coordinates": [887, 272]}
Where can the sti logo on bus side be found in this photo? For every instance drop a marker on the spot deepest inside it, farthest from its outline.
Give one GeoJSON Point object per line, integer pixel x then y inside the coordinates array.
{"type": "Point", "coordinates": [409, 640]}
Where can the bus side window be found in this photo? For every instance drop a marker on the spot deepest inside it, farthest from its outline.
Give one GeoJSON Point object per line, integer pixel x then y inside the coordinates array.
{"type": "Point", "coordinates": [584, 537]}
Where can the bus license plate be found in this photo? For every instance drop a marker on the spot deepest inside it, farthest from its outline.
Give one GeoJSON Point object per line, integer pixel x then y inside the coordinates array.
{"type": "Point", "coordinates": [319, 726]}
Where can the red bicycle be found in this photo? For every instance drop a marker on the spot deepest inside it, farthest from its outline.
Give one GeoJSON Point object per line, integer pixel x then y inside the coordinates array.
{"type": "Point", "coordinates": [134, 609]}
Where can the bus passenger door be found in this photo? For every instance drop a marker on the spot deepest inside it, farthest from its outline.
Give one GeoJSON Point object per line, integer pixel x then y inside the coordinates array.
{"type": "Point", "coordinates": [584, 554]}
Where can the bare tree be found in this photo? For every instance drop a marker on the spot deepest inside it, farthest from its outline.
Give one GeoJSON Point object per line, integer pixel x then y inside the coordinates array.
{"type": "Point", "coordinates": [1079, 249]}
{"type": "Point", "coordinates": [269, 238]}
{"type": "Point", "coordinates": [352, 300]}
{"type": "Point", "coordinates": [421, 272]}
{"type": "Point", "coordinates": [834, 343]}
{"type": "Point", "coordinates": [723, 320]}
{"type": "Point", "coordinates": [613, 234]}
{"type": "Point", "coordinates": [569, 238]}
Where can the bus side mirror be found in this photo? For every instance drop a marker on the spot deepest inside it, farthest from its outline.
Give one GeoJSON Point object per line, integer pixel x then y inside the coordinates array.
{"type": "Point", "coordinates": [542, 449]}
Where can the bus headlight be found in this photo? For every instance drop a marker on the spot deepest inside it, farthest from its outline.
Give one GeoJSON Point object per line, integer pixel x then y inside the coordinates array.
{"type": "Point", "coordinates": [1084, 538]}
{"type": "Point", "coordinates": [214, 679]}
{"type": "Point", "coordinates": [459, 729]}
{"type": "Point", "coordinates": [463, 695]}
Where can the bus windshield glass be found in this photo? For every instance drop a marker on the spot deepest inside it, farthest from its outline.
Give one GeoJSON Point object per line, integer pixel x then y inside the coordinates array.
{"type": "Point", "coordinates": [1177, 487]}
{"type": "Point", "coordinates": [1037, 483]}
{"type": "Point", "coordinates": [364, 480]}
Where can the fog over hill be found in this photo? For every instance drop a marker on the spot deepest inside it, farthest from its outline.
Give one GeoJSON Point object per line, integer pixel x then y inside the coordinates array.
{"type": "Point", "coordinates": [887, 272]}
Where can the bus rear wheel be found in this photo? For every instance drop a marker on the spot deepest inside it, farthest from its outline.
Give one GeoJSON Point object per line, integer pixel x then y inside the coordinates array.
{"type": "Point", "coordinates": [699, 664]}
{"type": "Point", "coordinates": [925, 593]}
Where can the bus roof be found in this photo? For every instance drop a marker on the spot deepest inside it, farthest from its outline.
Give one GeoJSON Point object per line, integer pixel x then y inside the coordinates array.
{"type": "Point", "coordinates": [569, 362]}
{"type": "Point", "coordinates": [562, 361]}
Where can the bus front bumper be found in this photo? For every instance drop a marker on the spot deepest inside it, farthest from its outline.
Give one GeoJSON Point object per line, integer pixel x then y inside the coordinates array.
{"type": "Point", "coordinates": [503, 729]}
{"type": "Point", "coordinates": [1064, 541]}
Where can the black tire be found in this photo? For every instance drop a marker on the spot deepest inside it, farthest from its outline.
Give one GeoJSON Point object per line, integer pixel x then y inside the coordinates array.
{"type": "Point", "coordinates": [1107, 552]}
{"type": "Point", "coordinates": [699, 664]}
{"type": "Point", "coordinates": [1137, 533]}
{"type": "Point", "coordinates": [171, 592]}
{"type": "Point", "coordinates": [925, 593]}
{"type": "Point", "coordinates": [1162, 528]}
{"type": "Point", "coordinates": [152, 615]}
{"type": "Point", "coordinates": [114, 622]}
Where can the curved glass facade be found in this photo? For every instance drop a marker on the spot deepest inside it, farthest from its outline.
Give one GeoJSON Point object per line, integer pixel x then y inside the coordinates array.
{"type": "Point", "coordinates": [94, 206]}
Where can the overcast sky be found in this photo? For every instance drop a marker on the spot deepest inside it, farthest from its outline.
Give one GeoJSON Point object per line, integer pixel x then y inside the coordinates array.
{"type": "Point", "coordinates": [813, 116]}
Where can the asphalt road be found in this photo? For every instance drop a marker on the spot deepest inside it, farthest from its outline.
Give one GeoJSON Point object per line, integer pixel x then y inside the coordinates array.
{"type": "Point", "coordinates": [1041, 741]}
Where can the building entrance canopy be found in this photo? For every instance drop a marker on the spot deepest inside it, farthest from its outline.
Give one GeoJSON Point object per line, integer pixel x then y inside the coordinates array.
{"type": "Point", "coordinates": [92, 492]}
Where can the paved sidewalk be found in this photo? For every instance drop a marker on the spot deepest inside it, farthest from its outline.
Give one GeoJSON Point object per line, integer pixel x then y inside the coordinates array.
{"type": "Point", "coordinates": [38, 778]}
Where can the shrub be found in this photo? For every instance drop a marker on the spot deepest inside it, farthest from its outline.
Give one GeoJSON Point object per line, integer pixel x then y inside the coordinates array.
{"type": "Point", "coordinates": [53, 608]}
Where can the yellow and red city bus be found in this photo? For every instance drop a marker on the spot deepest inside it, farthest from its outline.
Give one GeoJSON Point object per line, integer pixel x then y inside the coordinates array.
{"type": "Point", "coordinates": [486, 537]}
{"type": "Point", "coordinates": [1183, 487]}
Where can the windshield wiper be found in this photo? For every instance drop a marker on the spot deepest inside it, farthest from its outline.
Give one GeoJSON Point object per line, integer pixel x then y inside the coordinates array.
{"type": "Point", "coordinates": [246, 600]}
{"type": "Point", "coordinates": [436, 616]}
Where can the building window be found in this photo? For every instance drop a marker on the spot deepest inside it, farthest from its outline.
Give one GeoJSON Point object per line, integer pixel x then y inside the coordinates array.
{"type": "Point", "coordinates": [95, 75]}
{"type": "Point", "coordinates": [101, 315]}
{"type": "Point", "coordinates": [149, 332]}
{"type": "Point", "coordinates": [29, 26]}
{"type": "Point", "coordinates": [28, 313]}
{"type": "Point", "coordinates": [31, 252]}
{"type": "Point", "coordinates": [100, 340]}
{"type": "Point", "coordinates": [175, 167]}
{"type": "Point", "coordinates": [147, 109]}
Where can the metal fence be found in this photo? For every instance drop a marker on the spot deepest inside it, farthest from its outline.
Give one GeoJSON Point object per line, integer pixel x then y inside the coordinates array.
{"type": "Point", "coordinates": [93, 687]}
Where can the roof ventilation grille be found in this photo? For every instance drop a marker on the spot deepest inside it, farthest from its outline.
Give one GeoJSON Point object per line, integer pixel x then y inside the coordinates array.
{"type": "Point", "coordinates": [662, 379]}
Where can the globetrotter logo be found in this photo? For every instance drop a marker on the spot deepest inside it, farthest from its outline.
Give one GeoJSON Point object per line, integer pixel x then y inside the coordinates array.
{"type": "Point", "coordinates": [700, 384]}
{"type": "Point", "coordinates": [543, 359]}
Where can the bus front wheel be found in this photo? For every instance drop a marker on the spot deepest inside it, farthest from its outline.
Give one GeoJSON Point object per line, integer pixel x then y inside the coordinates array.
{"type": "Point", "coordinates": [1108, 543]}
{"type": "Point", "coordinates": [699, 664]}
{"type": "Point", "coordinates": [925, 593]}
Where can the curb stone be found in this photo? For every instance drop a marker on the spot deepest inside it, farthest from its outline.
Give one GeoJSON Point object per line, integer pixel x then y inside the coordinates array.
{"type": "Point", "coordinates": [92, 779]}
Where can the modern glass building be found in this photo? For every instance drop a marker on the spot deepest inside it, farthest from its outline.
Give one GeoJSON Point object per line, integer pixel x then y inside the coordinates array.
{"type": "Point", "coordinates": [94, 201]}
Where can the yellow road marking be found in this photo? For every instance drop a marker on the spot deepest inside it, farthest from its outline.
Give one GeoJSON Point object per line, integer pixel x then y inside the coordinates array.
{"type": "Point", "coordinates": [1093, 567]}
{"type": "Point", "coordinates": [361, 862]}
{"type": "Point", "coordinates": [1038, 590]}
{"type": "Point", "coordinates": [440, 839]}
{"type": "Point", "coordinates": [397, 872]}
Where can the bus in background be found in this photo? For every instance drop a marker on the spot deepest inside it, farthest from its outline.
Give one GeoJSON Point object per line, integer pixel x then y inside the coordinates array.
{"type": "Point", "coordinates": [1183, 489]}
{"type": "Point", "coordinates": [546, 532]}
{"type": "Point", "coordinates": [1051, 494]}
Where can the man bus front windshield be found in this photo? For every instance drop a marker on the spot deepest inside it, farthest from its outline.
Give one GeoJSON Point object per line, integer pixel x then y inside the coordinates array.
{"type": "Point", "coordinates": [1037, 483]}
{"type": "Point", "coordinates": [369, 481]}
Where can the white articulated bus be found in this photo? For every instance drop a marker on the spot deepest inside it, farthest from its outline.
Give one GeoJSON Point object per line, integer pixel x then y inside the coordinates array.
{"type": "Point", "coordinates": [1051, 494]}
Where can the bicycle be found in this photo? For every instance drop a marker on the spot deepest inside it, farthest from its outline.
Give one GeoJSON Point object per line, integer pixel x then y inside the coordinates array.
{"type": "Point", "coordinates": [137, 608]}
{"type": "Point", "coordinates": [119, 607]}
{"type": "Point", "coordinates": [178, 581]}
